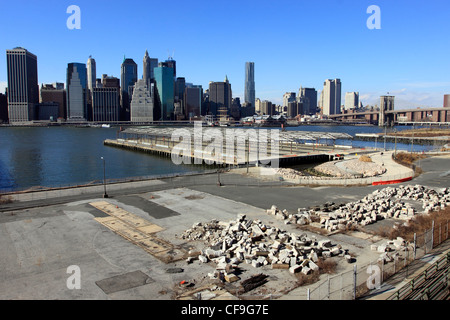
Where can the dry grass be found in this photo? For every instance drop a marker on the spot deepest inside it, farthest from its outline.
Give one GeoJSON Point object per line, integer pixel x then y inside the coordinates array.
{"type": "Point", "coordinates": [424, 132]}
{"type": "Point", "coordinates": [419, 224]}
{"type": "Point", "coordinates": [365, 158]}
{"type": "Point", "coordinates": [409, 158]}
{"type": "Point", "coordinates": [327, 266]}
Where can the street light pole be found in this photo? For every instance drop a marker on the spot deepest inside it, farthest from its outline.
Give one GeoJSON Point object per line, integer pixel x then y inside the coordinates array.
{"type": "Point", "coordinates": [105, 195]}
{"type": "Point", "coordinates": [395, 150]}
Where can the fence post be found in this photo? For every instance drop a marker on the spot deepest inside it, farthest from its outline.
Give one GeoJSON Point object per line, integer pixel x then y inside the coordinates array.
{"type": "Point", "coordinates": [328, 284]}
{"type": "Point", "coordinates": [446, 236]}
{"type": "Point", "coordinates": [395, 259]}
{"type": "Point", "coordinates": [308, 294]}
{"type": "Point", "coordinates": [432, 234]}
{"type": "Point", "coordinates": [415, 244]}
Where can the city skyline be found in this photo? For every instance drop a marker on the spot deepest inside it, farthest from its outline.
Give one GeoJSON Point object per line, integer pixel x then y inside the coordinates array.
{"type": "Point", "coordinates": [405, 58]}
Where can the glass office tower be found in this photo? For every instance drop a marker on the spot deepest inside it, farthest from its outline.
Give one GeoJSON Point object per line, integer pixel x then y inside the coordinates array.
{"type": "Point", "coordinates": [165, 91]}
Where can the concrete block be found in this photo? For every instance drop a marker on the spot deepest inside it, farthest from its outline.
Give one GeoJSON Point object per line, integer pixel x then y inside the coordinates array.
{"type": "Point", "coordinates": [306, 270]}
{"type": "Point", "coordinates": [231, 277]}
{"type": "Point", "coordinates": [313, 256]}
{"type": "Point", "coordinates": [257, 230]}
{"type": "Point", "coordinates": [256, 264]}
{"type": "Point", "coordinates": [292, 261]}
{"type": "Point", "coordinates": [202, 258]}
{"type": "Point", "coordinates": [280, 266]}
{"type": "Point", "coordinates": [313, 266]}
{"type": "Point", "coordinates": [324, 244]}
{"type": "Point", "coordinates": [335, 251]}
{"type": "Point", "coordinates": [295, 268]}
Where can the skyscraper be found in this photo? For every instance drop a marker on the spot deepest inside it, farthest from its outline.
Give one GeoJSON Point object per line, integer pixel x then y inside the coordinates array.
{"type": "Point", "coordinates": [76, 92]}
{"type": "Point", "coordinates": [105, 104]}
{"type": "Point", "coordinates": [128, 77]}
{"type": "Point", "coordinates": [91, 73]}
{"type": "Point", "coordinates": [267, 108]}
{"type": "Point", "coordinates": [164, 91]}
{"type": "Point", "coordinates": [23, 88]}
{"type": "Point", "coordinates": [220, 97]}
{"type": "Point", "coordinates": [288, 97]}
{"type": "Point", "coordinates": [142, 102]}
{"type": "Point", "coordinates": [149, 67]}
{"type": "Point", "coordinates": [331, 97]}
{"type": "Point", "coordinates": [147, 70]}
{"type": "Point", "coordinates": [180, 86]}
{"type": "Point", "coordinates": [351, 100]}
{"type": "Point", "coordinates": [171, 64]}
{"type": "Point", "coordinates": [249, 93]}
{"type": "Point", "coordinates": [308, 96]}
{"type": "Point", "coordinates": [192, 101]}
{"type": "Point", "coordinates": [55, 93]}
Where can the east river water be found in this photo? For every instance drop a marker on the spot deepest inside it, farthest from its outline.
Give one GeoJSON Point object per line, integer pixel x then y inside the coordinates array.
{"type": "Point", "coordinates": [64, 156]}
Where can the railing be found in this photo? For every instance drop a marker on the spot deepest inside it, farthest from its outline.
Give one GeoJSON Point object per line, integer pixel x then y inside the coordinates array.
{"type": "Point", "coordinates": [432, 283]}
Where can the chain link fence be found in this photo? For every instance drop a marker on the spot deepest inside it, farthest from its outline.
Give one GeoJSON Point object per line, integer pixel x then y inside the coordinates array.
{"type": "Point", "coordinates": [355, 283]}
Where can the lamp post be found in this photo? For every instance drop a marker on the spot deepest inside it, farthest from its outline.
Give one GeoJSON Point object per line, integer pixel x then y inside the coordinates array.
{"type": "Point", "coordinates": [105, 195]}
{"type": "Point", "coordinates": [395, 149]}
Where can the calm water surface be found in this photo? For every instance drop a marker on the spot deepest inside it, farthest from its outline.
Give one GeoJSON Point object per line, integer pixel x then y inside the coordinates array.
{"type": "Point", "coordinates": [61, 156]}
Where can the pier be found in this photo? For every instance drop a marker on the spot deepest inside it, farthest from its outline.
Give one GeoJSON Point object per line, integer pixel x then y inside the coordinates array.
{"type": "Point", "coordinates": [237, 147]}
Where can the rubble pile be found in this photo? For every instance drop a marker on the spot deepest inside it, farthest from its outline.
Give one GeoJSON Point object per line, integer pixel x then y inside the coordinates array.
{"type": "Point", "coordinates": [302, 217]}
{"type": "Point", "coordinates": [254, 243]}
{"type": "Point", "coordinates": [382, 204]}
{"type": "Point", "coordinates": [390, 250]}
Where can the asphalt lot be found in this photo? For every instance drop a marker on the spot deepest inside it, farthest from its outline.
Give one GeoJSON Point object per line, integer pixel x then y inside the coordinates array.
{"type": "Point", "coordinates": [42, 239]}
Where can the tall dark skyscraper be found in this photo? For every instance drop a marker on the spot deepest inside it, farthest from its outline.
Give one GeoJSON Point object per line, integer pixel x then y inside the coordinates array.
{"type": "Point", "coordinates": [105, 104]}
{"type": "Point", "coordinates": [171, 64]}
{"type": "Point", "coordinates": [192, 100]}
{"type": "Point", "coordinates": [23, 88]}
{"type": "Point", "coordinates": [149, 68]}
{"type": "Point", "coordinates": [220, 97]}
{"type": "Point", "coordinates": [164, 95]}
{"type": "Point", "coordinates": [76, 92]}
{"type": "Point", "coordinates": [128, 77]}
{"type": "Point", "coordinates": [331, 97]}
{"type": "Point", "coordinates": [249, 93]}
{"type": "Point", "coordinates": [308, 96]}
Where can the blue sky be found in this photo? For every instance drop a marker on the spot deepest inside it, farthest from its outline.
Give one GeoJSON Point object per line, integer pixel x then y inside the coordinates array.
{"type": "Point", "coordinates": [293, 43]}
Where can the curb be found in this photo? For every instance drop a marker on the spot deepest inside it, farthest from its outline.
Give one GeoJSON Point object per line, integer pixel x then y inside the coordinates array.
{"type": "Point", "coordinates": [377, 183]}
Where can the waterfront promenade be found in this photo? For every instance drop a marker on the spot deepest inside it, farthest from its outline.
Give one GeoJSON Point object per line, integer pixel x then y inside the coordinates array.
{"type": "Point", "coordinates": [257, 176]}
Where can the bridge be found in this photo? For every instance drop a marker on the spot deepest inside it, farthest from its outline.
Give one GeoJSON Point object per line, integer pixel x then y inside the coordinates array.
{"type": "Point", "coordinates": [419, 116]}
